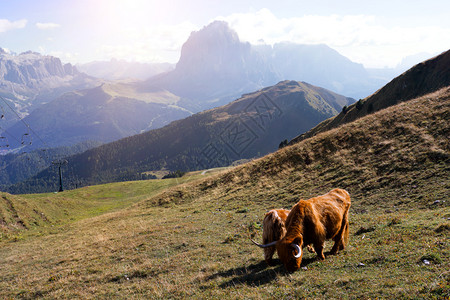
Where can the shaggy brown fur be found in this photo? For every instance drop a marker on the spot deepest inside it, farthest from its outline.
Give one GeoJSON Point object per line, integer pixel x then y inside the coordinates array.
{"type": "Point", "coordinates": [274, 229]}
{"type": "Point", "coordinates": [312, 222]}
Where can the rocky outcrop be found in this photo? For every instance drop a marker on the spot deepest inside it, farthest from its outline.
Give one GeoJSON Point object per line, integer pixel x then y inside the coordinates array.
{"type": "Point", "coordinates": [30, 68]}
{"type": "Point", "coordinates": [29, 79]}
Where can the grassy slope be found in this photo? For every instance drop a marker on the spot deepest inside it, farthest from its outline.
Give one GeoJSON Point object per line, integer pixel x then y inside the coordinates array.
{"type": "Point", "coordinates": [42, 211]}
{"type": "Point", "coordinates": [129, 90]}
{"type": "Point", "coordinates": [425, 77]}
{"type": "Point", "coordinates": [192, 240]}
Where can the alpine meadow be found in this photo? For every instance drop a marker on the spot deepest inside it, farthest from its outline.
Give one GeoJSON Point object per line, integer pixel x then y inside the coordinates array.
{"type": "Point", "coordinates": [135, 180]}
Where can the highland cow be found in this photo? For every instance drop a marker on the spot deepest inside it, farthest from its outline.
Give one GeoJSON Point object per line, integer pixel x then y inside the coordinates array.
{"type": "Point", "coordinates": [274, 229]}
{"type": "Point", "coordinates": [312, 222]}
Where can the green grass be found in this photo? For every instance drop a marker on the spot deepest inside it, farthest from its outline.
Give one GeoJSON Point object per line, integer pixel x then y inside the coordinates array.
{"type": "Point", "coordinates": [130, 91]}
{"type": "Point", "coordinates": [163, 240]}
{"type": "Point", "coordinates": [43, 211]}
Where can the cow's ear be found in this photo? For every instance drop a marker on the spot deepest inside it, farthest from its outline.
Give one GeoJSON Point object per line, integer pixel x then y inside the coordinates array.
{"type": "Point", "coordinates": [298, 241]}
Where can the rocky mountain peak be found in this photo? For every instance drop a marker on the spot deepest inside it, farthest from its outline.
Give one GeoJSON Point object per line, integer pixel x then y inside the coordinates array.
{"type": "Point", "coordinates": [29, 68]}
{"type": "Point", "coordinates": [216, 47]}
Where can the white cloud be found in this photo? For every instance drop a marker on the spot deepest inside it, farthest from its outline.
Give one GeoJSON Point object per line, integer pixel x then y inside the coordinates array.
{"type": "Point", "coordinates": [47, 26]}
{"type": "Point", "coordinates": [362, 38]}
{"type": "Point", "coordinates": [66, 56]}
{"type": "Point", "coordinates": [6, 25]}
{"type": "Point", "coordinates": [153, 44]}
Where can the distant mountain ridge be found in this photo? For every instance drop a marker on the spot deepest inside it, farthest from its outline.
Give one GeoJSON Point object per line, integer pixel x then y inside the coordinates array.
{"type": "Point", "coordinates": [29, 79]}
{"type": "Point", "coordinates": [30, 68]}
{"type": "Point", "coordinates": [320, 65]}
{"type": "Point", "coordinates": [425, 77]}
{"type": "Point", "coordinates": [248, 127]}
{"type": "Point", "coordinates": [106, 113]}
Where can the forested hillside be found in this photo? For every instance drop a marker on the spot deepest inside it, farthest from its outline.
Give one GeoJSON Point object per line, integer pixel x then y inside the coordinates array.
{"type": "Point", "coordinates": [17, 167]}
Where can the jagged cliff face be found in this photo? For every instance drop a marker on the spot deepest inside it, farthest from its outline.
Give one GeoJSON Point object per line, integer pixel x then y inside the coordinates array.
{"type": "Point", "coordinates": [30, 79]}
{"type": "Point", "coordinates": [215, 67]}
{"type": "Point", "coordinates": [31, 68]}
{"type": "Point", "coordinates": [216, 50]}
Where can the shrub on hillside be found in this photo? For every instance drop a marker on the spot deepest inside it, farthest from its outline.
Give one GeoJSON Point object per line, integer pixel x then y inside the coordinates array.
{"type": "Point", "coordinates": [359, 104]}
{"type": "Point", "coordinates": [176, 174]}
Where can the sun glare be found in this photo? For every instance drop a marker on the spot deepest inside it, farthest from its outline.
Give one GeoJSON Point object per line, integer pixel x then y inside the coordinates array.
{"type": "Point", "coordinates": [129, 29]}
{"type": "Point", "coordinates": [130, 13]}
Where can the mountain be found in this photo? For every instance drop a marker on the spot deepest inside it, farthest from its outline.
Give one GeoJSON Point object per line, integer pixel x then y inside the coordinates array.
{"type": "Point", "coordinates": [321, 66]}
{"type": "Point", "coordinates": [250, 126]}
{"type": "Point", "coordinates": [215, 67]}
{"type": "Point", "coordinates": [104, 114]}
{"type": "Point", "coordinates": [210, 73]}
{"type": "Point", "coordinates": [29, 79]}
{"type": "Point", "coordinates": [386, 74]}
{"type": "Point", "coordinates": [119, 69]}
{"type": "Point", "coordinates": [423, 78]}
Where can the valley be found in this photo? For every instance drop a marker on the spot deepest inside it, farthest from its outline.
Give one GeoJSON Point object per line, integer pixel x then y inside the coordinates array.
{"type": "Point", "coordinates": [249, 127]}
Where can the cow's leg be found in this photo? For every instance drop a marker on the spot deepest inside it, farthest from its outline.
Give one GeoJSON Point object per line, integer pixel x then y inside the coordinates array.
{"type": "Point", "coordinates": [268, 253]}
{"type": "Point", "coordinates": [345, 237]}
{"type": "Point", "coordinates": [341, 236]}
{"type": "Point", "coordinates": [319, 250]}
{"type": "Point", "coordinates": [338, 244]}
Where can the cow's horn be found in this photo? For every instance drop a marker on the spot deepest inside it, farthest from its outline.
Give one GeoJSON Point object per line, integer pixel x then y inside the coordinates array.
{"type": "Point", "coordinates": [299, 250]}
{"type": "Point", "coordinates": [265, 245]}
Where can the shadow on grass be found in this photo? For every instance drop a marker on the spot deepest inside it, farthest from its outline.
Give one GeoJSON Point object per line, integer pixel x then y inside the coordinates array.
{"type": "Point", "coordinates": [256, 274]}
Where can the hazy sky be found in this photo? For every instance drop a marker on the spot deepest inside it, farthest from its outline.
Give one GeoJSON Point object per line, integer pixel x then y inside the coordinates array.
{"type": "Point", "coordinates": [376, 33]}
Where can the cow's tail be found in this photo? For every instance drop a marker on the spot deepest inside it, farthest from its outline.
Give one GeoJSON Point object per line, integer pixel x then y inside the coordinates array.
{"type": "Point", "coordinates": [345, 233]}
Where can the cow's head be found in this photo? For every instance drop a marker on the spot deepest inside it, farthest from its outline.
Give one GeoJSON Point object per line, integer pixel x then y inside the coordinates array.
{"type": "Point", "coordinates": [290, 252]}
